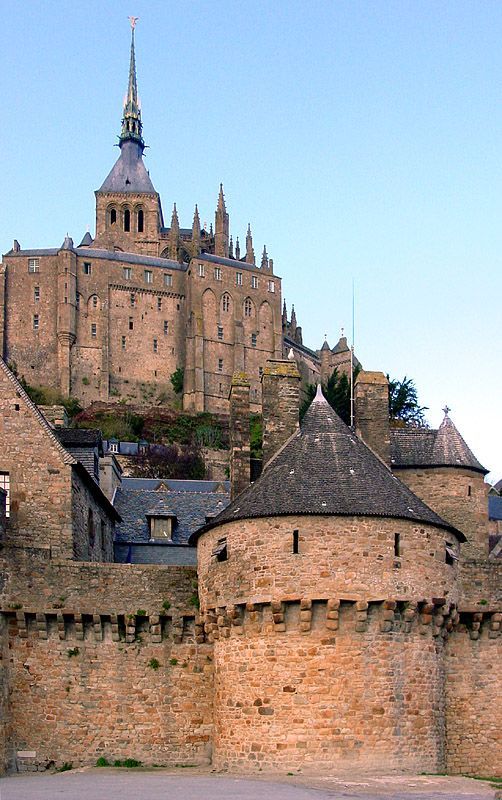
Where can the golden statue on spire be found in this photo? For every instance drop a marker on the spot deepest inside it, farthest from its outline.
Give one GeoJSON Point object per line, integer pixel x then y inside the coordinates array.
{"type": "Point", "coordinates": [133, 21]}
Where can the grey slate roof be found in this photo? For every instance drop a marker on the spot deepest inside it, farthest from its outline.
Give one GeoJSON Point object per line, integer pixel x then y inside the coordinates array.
{"type": "Point", "coordinates": [325, 469]}
{"type": "Point", "coordinates": [87, 240]}
{"type": "Point", "coordinates": [424, 447]}
{"type": "Point", "coordinates": [494, 507]}
{"type": "Point", "coordinates": [129, 173]}
{"type": "Point", "coordinates": [301, 347]}
{"type": "Point", "coordinates": [231, 262]}
{"type": "Point", "coordinates": [79, 437]}
{"type": "Point", "coordinates": [107, 255]}
{"type": "Point", "coordinates": [191, 502]}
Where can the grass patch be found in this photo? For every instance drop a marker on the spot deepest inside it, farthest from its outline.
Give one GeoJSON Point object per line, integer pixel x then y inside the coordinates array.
{"type": "Point", "coordinates": [102, 762]}
{"type": "Point", "coordinates": [154, 663]}
{"type": "Point", "coordinates": [66, 767]}
{"type": "Point", "coordinates": [128, 763]}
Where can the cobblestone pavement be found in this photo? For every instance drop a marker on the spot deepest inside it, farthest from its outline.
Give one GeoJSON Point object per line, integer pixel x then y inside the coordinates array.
{"type": "Point", "coordinates": [104, 784]}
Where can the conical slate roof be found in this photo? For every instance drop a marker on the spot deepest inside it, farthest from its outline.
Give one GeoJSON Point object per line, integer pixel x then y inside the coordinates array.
{"type": "Point", "coordinates": [129, 173]}
{"type": "Point", "coordinates": [326, 469]}
{"type": "Point", "coordinates": [423, 447]}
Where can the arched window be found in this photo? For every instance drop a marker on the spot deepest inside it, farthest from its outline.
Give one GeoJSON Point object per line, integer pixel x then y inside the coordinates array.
{"type": "Point", "coordinates": [248, 307]}
{"type": "Point", "coordinates": [113, 216]}
{"type": "Point", "coordinates": [225, 302]}
{"type": "Point", "coordinates": [140, 220]}
{"type": "Point", "coordinates": [90, 529]}
{"type": "Point", "coordinates": [127, 220]}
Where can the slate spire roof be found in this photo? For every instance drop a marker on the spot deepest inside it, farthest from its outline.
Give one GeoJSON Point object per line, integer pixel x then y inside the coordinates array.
{"type": "Point", "coordinates": [425, 447]}
{"type": "Point", "coordinates": [129, 173]}
{"type": "Point", "coordinates": [325, 469]}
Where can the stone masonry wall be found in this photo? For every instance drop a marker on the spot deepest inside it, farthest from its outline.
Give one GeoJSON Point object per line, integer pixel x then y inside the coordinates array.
{"type": "Point", "coordinates": [328, 685]}
{"type": "Point", "coordinates": [104, 660]}
{"type": "Point", "coordinates": [474, 696]}
{"type": "Point", "coordinates": [338, 557]}
{"type": "Point", "coordinates": [459, 496]}
{"type": "Point", "coordinates": [93, 531]}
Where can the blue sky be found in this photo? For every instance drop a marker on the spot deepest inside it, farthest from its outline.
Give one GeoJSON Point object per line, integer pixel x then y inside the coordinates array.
{"type": "Point", "coordinates": [362, 140]}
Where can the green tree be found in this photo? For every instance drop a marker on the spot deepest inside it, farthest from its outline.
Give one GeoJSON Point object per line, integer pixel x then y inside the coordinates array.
{"type": "Point", "coordinates": [404, 409]}
{"type": "Point", "coordinates": [177, 380]}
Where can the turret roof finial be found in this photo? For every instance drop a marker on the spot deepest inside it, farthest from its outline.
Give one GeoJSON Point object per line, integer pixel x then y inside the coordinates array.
{"type": "Point", "coordinates": [446, 410]}
{"type": "Point", "coordinates": [131, 123]}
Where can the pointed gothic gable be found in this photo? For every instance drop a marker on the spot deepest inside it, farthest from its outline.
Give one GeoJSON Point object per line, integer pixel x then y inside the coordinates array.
{"type": "Point", "coordinates": [39, 470]}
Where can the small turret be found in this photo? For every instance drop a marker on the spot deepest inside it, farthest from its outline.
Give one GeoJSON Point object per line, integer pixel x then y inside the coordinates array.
{"type": "Point", "coordinates": [250, 259]}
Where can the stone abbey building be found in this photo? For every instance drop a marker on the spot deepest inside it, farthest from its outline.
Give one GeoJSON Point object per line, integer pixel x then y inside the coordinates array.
{"type": "Point", "coordinates": [114, 317]}
{"type": "Point", "coordinates": [343, 611]}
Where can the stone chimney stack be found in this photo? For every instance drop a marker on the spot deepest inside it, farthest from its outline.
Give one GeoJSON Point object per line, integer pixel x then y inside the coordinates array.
{"type": "Point", "coordinates": [371, 412]}
{"type": "Point", "coordinates": [240, 454]}
{"type": "Point", "coordinates": [280, 403]}
{"type": "Point", "coordinates": [110, 475]}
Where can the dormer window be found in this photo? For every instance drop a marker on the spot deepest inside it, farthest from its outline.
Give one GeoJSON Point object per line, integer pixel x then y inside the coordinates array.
{"type": "Point", "coordinates": [161, 526]}
{"type": "Point", "coordinates": [113, 446]}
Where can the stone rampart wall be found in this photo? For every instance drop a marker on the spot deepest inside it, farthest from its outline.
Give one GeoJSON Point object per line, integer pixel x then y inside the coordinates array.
{"type": "Point", "coordinates": [474, 696]}
{"type": "Point", "coordinates": [104, 660]}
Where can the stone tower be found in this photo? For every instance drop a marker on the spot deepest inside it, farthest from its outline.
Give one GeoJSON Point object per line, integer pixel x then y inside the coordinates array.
{"type": "Point", "coordinates": [128, 210]}
{"type": "Point", "coordinates": [312, 586]}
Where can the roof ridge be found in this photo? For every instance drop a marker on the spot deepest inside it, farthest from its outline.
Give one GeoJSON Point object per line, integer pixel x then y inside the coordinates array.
{"type": "Point", "coordinates": [67, 457]}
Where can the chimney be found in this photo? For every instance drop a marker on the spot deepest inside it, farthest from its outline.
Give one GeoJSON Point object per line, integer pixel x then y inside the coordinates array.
{"type": "Point", "coordinates": [371, 412]}
{"type": "Point", "coordinates": [280, 403]}
{"type": "Point", "coordinates": [110, 475]}
{"type": "Point", "coordinates": [240, 464]}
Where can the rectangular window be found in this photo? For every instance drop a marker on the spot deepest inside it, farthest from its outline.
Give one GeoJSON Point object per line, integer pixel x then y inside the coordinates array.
{"type": "Point", "coordinates": [217, 274]}
{"type": "Point", "coordinates": [132, 299]}
{"type": "Point", "coordinates": [131, 324]}
{"type": "Point", "coordinates": [397, 545]}
{"type": "Point", "coordinates": [271, 286]}
{"type": "Point", "coordinates": [296, 542]}
{"type": "Point", "coordinates": [220, 365]}
{"type": "Point", "coordinates": [87, 268]}
{"type": "Point", "coordinates": [5, 485]}
{"type": "Point", "coordinates": [155, 345]}
{"type": "Point", "coordinates": [450, 554]}
{"type": "Point", "coordinates": [166, 327]}
{"type": "Point", "coordinates": [260, 372]}
{"type": "Point", "coordinates": [77, 300]}
{"type": "Point", "coordinates": [220, 552]}
{"type": "Point", "coordinates": [159, 303]}
{"type": "Point", "coordinates": [33, 265]}
{"type": "Point", "coordinates": [202, 271]}
{"type": "Point", "coordinates": [220, 332]}
{"type": "Point", "coordinates": [168, 279]}
{"type": "Point", "coordinates": [148, 276]}
{"type": "Point", "coordinates": [36, 294]}
{"type": "Point", "coordinates": [253, 340]}
{"type": "Point", "coordinates": [94, 330]}
{"type": "Point", "coordinates": [36, 322]}
{"type": "Point", "coordinates": [123, 343]}
{"type": "Point", "coordinates": [254, 282]}
{"type": "Point", "coordinates": [127, 271]}
{"type": "Point", "coordinates": [238, 278]}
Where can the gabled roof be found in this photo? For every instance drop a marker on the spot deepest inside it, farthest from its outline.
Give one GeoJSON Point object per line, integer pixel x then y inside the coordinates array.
{"type": "Point", "coordinates": [129, 173]}
{"type": "Point", "coordinates": [425, 447]}
{"type": "Point", "coordinates": [191, 502]}
{"type": "Point", "coordinates": [325, 469]}
{"type": "Point", "coordinates": [21, 393]}
{"type": "Point", "coordinates": [79, 437]}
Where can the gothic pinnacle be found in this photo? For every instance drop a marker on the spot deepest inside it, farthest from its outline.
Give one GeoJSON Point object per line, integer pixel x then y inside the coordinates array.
{"type": "Point", "coordinates": [231, 248]}
{"type": "Point", "coordinates": [221, 201]}
{"type": "Point", "coordinates": [237, 249]}
{"type": "Point", "coordinates": [174, 218]}
{"type": "Point", "coordinates": [250, 259]}
{"type": "Point", "coordinates": [264, 258]}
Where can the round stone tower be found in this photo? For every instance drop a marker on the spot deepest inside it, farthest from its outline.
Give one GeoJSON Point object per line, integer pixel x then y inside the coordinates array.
{"type": "Point", "coordinates": [328, 589]}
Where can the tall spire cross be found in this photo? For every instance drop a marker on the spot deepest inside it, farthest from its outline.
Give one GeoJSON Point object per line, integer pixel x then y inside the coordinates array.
{"type": "Point", "coordinates": [132, 126]}
{"type": "Point", "coordinates": [446, 410]}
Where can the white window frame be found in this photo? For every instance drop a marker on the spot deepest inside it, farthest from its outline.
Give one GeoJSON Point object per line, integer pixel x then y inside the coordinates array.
{"type": "Point", "coordinates": [202, 271]}
{"type": "Point", "coordinates": [36, 322]}
{"type": "Point", "coordinates": [271, 286]}
{"type": "Point", "coordinates": [33, 265]}
{"type": "Point", "coordinates": [254, 282]}
{"type": "Point", "coordinates": [87, 267]}
{"type": "Point", "coordinates": [217, 273]}
{"type": "Point", "coordinates": [5, 484]}
{"type": "Point", "coordinates": [148, 276]}
{"type": "Point", "coordinates": [94, 330]}
{"type": "Point", "coordinates": [127, 272]}
{"type": "Point", "coordinates": [238, 278]}
{"type": "Point", "coordinates": [168, 279]}
{"type": "Point", "coordinates": [36, 294]}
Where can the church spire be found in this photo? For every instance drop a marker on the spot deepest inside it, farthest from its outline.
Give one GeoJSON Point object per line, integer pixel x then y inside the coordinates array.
{"type": "Point", "coordinates": [221, 227]}
{"type": "Point", "coordinates": [131, 122]}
